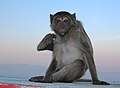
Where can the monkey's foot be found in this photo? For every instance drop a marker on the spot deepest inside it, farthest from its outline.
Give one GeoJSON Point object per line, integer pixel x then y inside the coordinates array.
{"type": "Point", "coordinates": [39, 79]}
{"type": "Point", "coordinates": [100, 83]}
{"type": "Point", "coordinates": [36, 78]}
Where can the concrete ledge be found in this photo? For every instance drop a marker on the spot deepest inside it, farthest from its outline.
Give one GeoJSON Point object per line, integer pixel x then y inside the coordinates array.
{"type": "Point", "coordinates": [58, 85]}
{"type": "Point", "coordinates": [6, 82]}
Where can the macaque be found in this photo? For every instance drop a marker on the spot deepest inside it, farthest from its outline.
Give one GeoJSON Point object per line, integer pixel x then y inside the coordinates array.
{"type": "Point", "coordinates": [72, 51]}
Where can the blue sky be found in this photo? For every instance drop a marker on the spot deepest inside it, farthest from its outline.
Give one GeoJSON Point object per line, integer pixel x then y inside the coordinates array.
{"type": "Point", "coordinates": [23, 23]}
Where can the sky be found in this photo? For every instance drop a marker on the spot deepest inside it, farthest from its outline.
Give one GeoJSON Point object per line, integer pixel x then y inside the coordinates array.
{"type": "Point", "coordinates": [23, 23]}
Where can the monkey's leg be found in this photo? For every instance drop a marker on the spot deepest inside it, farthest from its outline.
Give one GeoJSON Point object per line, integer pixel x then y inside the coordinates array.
{"type": "Point", "coordinates": [47, 77]}
{"type": "Point", "coordinates": [36, 78]}
{"type": "Point", "coordinates": [70, 72]}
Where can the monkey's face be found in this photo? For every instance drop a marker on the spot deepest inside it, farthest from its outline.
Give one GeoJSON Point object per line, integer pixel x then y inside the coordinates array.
{"type": "Point", "coordinates": [61, 23]}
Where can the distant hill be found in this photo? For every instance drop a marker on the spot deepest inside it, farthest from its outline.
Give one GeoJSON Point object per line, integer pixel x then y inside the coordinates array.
{"type": "Point", "coordinates": [21, 70]}
{"type": "Point", "coordinates": [26, 71]}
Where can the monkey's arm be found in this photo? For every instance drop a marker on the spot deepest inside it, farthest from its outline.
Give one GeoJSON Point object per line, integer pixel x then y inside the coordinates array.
{"type": "Point", "coordinates": [88, 55]}
{"type": "Point", "coordinates": [93, 72]}
{"type": "Point", "coordinates": [46, 43]}
{"type": "Point", "coordinates": [92, 68]}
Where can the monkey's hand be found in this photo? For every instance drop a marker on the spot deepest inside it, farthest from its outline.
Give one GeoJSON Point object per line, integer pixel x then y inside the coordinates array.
{"type": "Point", "coordinates": [46, 43]}
{"type": "Point", "coordinates": [100, 83]}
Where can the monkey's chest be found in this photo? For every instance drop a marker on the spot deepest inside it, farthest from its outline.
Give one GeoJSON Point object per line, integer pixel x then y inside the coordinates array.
{"type": "Point", "coordinates": [67, 53]}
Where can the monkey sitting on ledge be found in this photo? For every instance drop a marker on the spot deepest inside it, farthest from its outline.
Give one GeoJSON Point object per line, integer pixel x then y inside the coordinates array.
{"type": "Point", "coordinates": [72, 51]}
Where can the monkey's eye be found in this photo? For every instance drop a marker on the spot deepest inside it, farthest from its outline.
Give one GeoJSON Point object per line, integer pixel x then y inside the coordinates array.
{"type": "Point", "coordinates": [58, 20]}
{"type": "Point", "coordinates": [66, 20]}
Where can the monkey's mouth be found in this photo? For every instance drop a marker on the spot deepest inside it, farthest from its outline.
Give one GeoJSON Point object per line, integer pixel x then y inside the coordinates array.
{"type": "Point", "coordinates": [62, 32]}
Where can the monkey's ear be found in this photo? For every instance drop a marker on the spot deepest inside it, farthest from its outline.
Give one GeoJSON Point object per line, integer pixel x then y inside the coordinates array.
{"type": "Point", "coordinates": [74, 16]}
{"type": "Point", "coordinates": [51, 18]}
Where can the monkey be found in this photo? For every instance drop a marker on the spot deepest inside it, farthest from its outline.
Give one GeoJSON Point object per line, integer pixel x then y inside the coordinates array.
{"type": "Point", "coordinates": [72, 51]}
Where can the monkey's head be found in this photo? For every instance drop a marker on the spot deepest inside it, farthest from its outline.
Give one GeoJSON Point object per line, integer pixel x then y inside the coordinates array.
{"type": "Point", "coordinates": [61, 22]}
